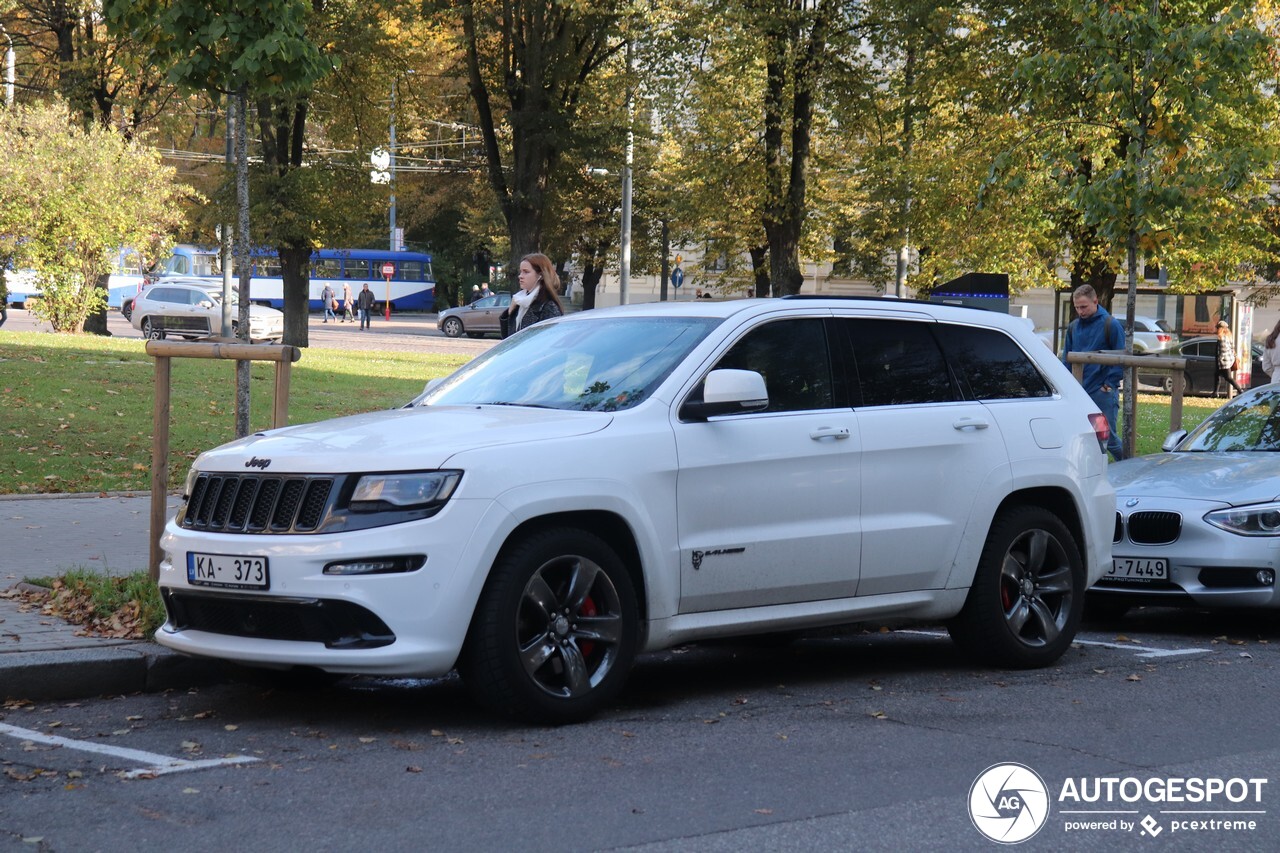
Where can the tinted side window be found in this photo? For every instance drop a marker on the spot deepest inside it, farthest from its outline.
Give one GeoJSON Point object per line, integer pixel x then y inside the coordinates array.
{"type": "Point", "coordinates": [898, 362]}
{"type": "Point", "coordinates": [990, 365]}
{"type": "Point", "coordinates": [792, 356]}
{"type": "Point", "coordinates": [165, 294]}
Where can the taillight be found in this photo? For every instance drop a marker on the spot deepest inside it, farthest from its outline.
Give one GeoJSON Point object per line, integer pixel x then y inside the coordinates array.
{"type": "Point", "coordinates": [1164, 339]}
{"type": "Point", "coordinates": [1101, 429]}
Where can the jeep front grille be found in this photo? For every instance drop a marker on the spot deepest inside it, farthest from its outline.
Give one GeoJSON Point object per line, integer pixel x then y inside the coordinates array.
{"type": "Point", "coordinates": [258, 503]}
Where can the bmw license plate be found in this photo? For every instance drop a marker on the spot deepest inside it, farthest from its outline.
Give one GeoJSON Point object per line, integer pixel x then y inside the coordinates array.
{"type": "Point", "coordinates": [236, 571]}
{"type": "Point", "coordinates": [1135, 570]}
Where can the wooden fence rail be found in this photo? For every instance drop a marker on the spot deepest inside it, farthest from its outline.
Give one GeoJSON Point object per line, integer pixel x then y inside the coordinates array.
{"type": "Point", "coordinates": [163, 351]}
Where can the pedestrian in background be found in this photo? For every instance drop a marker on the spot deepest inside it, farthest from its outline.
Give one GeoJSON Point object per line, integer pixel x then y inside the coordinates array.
{"type": "Point", "coordinates": [538, 297]}
{"type": "Point", "coordinates": [1226, 359]}
{"type": "Point", "coordinates": [1271, 354]}
{"type": "Point", "coordinates": [365, 303]}
{"type": "Point", "coordinates": [4, 298]}
{"type": "Point", "coordinates": [347, 304]}
{"type": "Point", "coordinates": [327, 298]}
{"type": "Point", "coordinates": [1093, 330]}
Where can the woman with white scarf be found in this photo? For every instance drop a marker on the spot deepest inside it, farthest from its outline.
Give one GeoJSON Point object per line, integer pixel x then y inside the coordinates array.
{"type": "Point", "coordinates": [538, 298]}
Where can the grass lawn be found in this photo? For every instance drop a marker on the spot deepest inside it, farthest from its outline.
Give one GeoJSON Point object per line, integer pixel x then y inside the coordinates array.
{"type": "Point", "coordinates": [78, 408]}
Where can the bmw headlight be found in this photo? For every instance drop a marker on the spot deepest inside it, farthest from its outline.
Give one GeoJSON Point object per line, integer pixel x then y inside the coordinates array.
{"type": "Point", "coordinates": [409, 490]}
{"type": "Point", "coordinates": [1256, 520]}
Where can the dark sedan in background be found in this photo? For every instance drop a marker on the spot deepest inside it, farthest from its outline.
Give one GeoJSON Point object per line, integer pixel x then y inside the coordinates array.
{"type": "Point", "coordinates": [1202, 365]}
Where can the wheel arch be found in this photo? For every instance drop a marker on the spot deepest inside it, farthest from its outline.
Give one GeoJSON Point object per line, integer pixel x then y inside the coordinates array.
{"type": "Point", "coordinates": [608, 526]}
{"type": "Point", "coordinates": [1055, 499]}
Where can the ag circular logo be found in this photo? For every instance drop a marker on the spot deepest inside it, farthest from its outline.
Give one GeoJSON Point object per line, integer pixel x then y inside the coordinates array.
{"type": "Point", "coordinates": [1008, 803]}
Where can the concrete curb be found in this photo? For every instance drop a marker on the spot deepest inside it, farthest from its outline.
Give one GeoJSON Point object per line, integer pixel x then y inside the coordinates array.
{"type": "Point", "coordinates": [84, 673]}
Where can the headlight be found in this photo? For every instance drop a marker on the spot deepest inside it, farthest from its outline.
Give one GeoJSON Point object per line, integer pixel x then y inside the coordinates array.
{"type": "Point", "coordinates": [375, 492]}
{"type": "Point", "coordinates": [191, 482]}
{"type": "Point", "coordinates": [1258, 520]}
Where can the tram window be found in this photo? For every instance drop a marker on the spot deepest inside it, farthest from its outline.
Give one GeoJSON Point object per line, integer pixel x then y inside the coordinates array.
{"type": "Point", "coordinates": [409, 271]}
{"type": "Point", "coordinates": [357, 269]}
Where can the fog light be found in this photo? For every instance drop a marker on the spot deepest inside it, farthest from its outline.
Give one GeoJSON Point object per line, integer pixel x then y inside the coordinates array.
{"type": "Point", "coordinates": [377, 566]}
{"type": "Point", "coordinates": [1266, 577]}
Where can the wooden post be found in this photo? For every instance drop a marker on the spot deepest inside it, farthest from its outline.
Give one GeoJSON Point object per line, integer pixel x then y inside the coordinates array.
{"type": "Point", "coordinates": [163, 352]}
{"type": "Point", "coordinates": [159, 462]}
{"type": "Point", "coordinates": [280, 405]}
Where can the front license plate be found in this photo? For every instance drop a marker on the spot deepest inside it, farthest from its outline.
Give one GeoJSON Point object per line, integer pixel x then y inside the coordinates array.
{"type": "Point", "coordinates": [1134, 570]}
{"type": "Point", "coordinates": [236, 571]}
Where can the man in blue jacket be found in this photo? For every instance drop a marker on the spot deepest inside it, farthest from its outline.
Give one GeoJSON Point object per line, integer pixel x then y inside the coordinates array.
{"type": "Point", "coordinates": [1097, 330]}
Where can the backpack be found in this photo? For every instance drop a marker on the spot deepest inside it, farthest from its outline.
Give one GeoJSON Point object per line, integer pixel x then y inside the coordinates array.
{"type": "Point", "coordinates": [1109, 334]}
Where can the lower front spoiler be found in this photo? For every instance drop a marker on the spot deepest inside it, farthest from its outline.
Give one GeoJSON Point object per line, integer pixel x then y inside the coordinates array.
{"type": "Point", "coordinates": [336, 623]}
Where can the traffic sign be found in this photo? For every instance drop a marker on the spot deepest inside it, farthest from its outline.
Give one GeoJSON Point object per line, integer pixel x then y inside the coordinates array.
{"type": "Point", "coordinates": [677, 277]}
{"type": "Point", "coordinates": [388, 269]}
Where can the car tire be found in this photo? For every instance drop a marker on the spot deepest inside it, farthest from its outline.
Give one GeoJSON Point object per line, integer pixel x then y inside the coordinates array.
{"type": "Point", "coordinates": [1167, 385]}
{"type": "Point", "coordinates": [452, 327]}
{"type": "Point", "coordinates": [555, 631]}
{"type": "Point", "coordinates": [1027, 597]}
{"type": "Point", "coordinates": [150, 332]}
{"type": "Point", "coordinates": [1188, 387]}
{"type": "Point", "coordinates": [126, 310]}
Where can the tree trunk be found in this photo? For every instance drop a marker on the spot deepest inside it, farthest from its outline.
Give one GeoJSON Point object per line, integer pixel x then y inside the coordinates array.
{"type": "Point", "coordinates": [242, 262]}
{"type": "Point", "coordinates": [96, 323]}
{"type": "Point", "coordinates": [760, 270]}
{"type": "Point", "coordinates": [295, 271]}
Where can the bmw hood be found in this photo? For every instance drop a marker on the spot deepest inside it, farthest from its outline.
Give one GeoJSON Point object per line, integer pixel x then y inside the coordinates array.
{"type": "Point", "coordinates": [1229, 478]}
{"type": "Point", "coordinates": [400, 439]}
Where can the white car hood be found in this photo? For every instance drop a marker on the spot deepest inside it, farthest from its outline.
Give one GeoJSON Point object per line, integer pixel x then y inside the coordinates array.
{"type": "Point", "coordinates": [261, 312]}
{"type": "Point", "coordinates": [400, 439]}
{"type": "Point", "coordinates": [1230, 478]}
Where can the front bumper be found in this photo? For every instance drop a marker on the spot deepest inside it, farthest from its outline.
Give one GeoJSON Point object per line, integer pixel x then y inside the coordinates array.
{"type": "Point", "coordinates": [1208, 567]}
{"type": "Point", "coordinates": [407, 623]}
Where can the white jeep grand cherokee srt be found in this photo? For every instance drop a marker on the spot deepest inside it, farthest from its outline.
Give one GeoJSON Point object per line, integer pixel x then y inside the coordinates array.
{"type": "Point", "coordinates": [620, 481]}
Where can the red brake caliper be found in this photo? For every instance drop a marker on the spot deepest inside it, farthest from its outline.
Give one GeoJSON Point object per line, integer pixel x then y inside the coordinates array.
{"type": "Point", "coordinates": [588, 608]}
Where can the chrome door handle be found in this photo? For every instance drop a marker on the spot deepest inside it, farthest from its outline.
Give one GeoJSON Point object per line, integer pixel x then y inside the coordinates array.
{"type": "Point", "coordinates": [970, 423]}
{"type": "Point", "coordinates": [829, 432]}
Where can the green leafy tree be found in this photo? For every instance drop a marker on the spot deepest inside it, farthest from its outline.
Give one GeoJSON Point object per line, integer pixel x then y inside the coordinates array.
{"type": "Point", "coordinates": [74, 197]}
{"type": "Point", "coordinates": [1166, 139]}
{"type": "Point", "coordinates": [261, 52]}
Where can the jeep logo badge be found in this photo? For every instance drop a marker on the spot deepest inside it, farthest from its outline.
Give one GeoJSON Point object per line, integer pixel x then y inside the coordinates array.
{"type": "Point", "coordinates": [255, 462]}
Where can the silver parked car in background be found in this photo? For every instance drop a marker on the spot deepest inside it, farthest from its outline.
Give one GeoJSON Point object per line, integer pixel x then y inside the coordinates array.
{"type": "Point", "coordinates": [475, 320]}
{"type": "Point", "coordinates": [1200, 524]}
{"type": "Point", "coordinates": [192, 308]}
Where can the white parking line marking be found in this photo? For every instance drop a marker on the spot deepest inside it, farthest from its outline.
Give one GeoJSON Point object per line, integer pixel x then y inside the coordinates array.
{"type": "Point", "coordinates": [1140, 651]}
{"type": "Point", "coordinates": [155, 764]}
{"type": "Point", "coordinates": [1143, 651]}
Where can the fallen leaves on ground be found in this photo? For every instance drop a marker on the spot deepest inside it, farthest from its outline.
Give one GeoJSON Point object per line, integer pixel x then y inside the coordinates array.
{"type": "Point", "coordinates": [75, 604]}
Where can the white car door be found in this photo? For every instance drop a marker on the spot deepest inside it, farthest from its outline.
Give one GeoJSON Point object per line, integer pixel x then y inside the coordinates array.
{"type": "Point", "coordinates": [768, 501]}
{"type": "Point", "coordinates": [927, 455]}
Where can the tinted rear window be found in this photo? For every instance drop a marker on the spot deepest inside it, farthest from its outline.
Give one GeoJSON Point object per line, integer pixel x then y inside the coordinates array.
{"type": "Point", "coordinates": [990, 365]}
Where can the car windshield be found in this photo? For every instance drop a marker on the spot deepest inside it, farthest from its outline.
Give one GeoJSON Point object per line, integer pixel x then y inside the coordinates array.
{"type": "Point", "coordinates": [602, 365]}
{"type": "Point", "coordinates": [1249, 423]}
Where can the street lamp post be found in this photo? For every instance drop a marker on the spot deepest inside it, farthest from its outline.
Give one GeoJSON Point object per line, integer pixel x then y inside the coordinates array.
{"type": "Point", "coordinates": [392, 164]}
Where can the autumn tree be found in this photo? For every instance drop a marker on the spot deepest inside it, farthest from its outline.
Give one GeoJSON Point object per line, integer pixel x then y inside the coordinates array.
{"type": "Point", "coordinates": [528, 64]}
{"type": "Point", "coordinates": [73, 197]}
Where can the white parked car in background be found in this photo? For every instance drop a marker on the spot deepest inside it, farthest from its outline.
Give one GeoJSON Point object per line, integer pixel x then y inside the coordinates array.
{"type": "Point", "coordinates": [625, 480]}
{"type": "Point", "coordinates": [192, 308]}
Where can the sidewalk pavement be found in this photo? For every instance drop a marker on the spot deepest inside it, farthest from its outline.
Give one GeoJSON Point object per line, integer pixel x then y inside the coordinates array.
{"type": "Point", "coordinates": [44, 657]}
